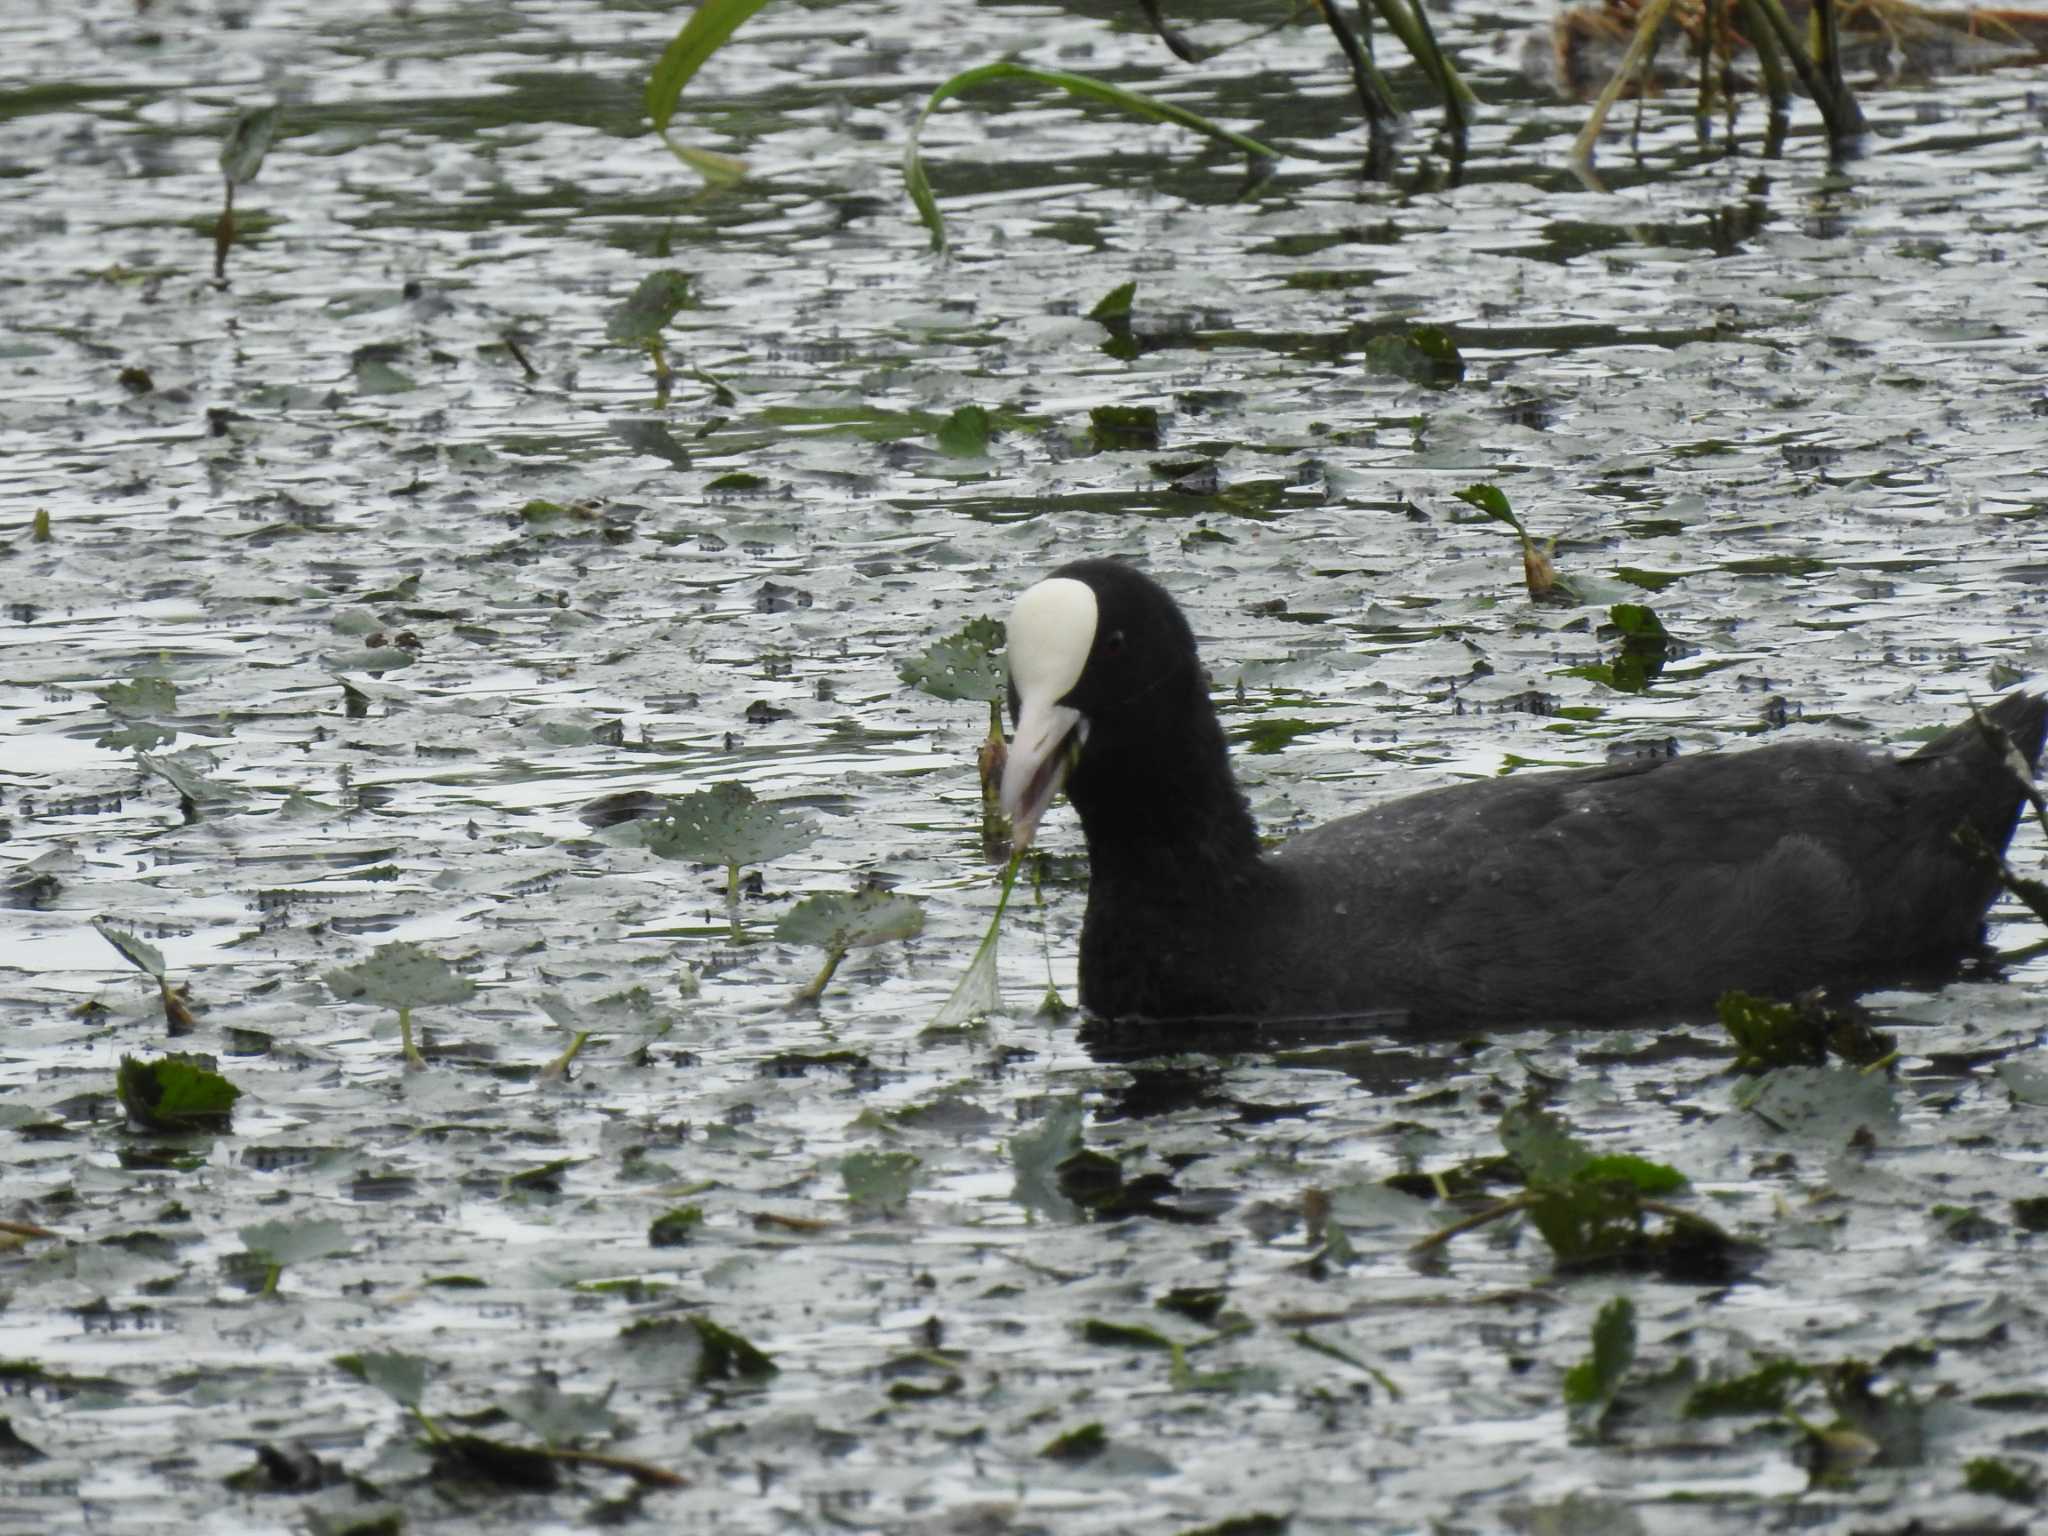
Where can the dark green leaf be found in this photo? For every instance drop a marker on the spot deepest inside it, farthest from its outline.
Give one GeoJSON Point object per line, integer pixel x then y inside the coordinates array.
{"type": "Point", "coordinates": [148, 698]}
{"type": "Point", "coordinates": [1115, 304]}
{"type": "Point", "coordinates": [643, 316]}
{"type": "Point", "coordinates": [965, 433]}
{"type": "Point", "coordinates": [175, 1093]}
{"type": "Point", "coordinates": [1036, 1155]}
{"type": "Point", "coordinates": [1590, 1386]}
{"type": "Point", "coordinates": [710, 24]}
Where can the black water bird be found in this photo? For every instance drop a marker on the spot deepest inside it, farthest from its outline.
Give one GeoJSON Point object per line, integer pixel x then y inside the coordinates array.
{"type": "Point", "coordinates": [1597, 894]}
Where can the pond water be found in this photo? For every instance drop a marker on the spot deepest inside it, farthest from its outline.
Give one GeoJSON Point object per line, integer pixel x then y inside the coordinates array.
{"type": "Point", "coordinates": [1801, 410]}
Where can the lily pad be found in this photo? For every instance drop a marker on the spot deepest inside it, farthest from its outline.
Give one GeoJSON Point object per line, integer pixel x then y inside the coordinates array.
{"type": "Point", "coordinates": [400, 976]}
{"type": "Point", "coordinates": [967, 664]}
{"type": "Point", "coordinates": [640, 320]}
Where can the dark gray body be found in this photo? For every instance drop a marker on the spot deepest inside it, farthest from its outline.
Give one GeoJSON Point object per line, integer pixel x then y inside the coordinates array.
{"type": "Point", "coordinates": [1598, 895]}
{"type": "Point", "coordinates": [1595, 895]}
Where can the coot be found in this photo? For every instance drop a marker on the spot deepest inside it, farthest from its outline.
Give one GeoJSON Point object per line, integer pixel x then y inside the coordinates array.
{"type": "Point", "coordinates": [1595, 894]}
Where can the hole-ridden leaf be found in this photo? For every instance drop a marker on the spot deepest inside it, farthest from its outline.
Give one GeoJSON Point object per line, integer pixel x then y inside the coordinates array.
{"type": "Point", "coordinates": [965, 665]}
{"type": "Point", "coordinates": [879, 1181]}
{"type": "Point", "coordinates": [400, 1377]}
{"type": "Point", "coordinates": [175, 1093]}
{"type": "Point", "coordinates": [1591, 1385]}
{"type": "Point", "coordinates": [1036, 1155]}
{"type": "Point", "coordinates": [836, 921]}
{"type": "Point", "coordinates": [645, 313]}
{"type": "Point", "coordinates": [402, 976]}
{"type": "Point", "coordinates": [725, 824]}
{"type": "Point", "coordinates": [138, 953]}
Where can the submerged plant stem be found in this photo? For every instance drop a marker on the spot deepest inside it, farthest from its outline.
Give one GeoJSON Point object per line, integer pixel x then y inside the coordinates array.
{"type": "Point", "coordinates": [818, 983]}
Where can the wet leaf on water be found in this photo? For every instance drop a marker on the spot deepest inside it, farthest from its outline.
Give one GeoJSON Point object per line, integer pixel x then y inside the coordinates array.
{"type": "Point", "coordinates": [374, 376]}
{"type": "Point", "coordinates": [966, 665]}
{"type": "Point", "coordinates": [494, 1461]}
{"type": "Point", "coordinates": [965, 434]}
{"type": "Point", "coordinates": [401, 975]}
{"type": "Point", "coordinates": [879, 1181]}
{"type": "Point", "coordinates": [143, 956]}
{"type": "Point", "coordinates": [672, 1229]}
{"type": "Point", "coordinates": [644, 434]}
{"type": "Point", "coordinates": [280, 1243]}
{"type": "Point", "coordinates": [1115, 304]}
{"type": "Point", "coordinates": [1077, 1445]}
{"type": "Point", "coordinates": [2002, 1480]}
{"type": "Point", "coordinates": [1803, 1033]}
{"type": "Point", "coordinates": [1095, 1330]}
{"type": "Point", "coordinates": [400, 1377]}
{"type": "Point", "coordinates": [1036, 1156]}
{"type": "Point", "coordinates": [1542, 1145]}
{"type": "Point", "coordinates": [146, 697]}
{"type": "Point", "coordinates": [175, 1093]}
{"type": "Point", "coordinates": [728, 1357]}
{"type": "Point", "coordinates": [1493, 501]}
{"type": "Point", "coordinates": [557, 1418]}
{"type": "Point", "coordinates": [836, 921]}
{"type": "Point", "coordinates": [1591, 1385]}
{"type": "Point", "coordinates": [641, 318]}
{"type": "Point", "coordinates": [1829, 1104]}
{"type": "Point", "coordinates": [189, 774]}
{"type": "Point", "coordinates": [1272, 733]}
{"type": "Point", "coordinates": [725, 824]}
{"type": "Point", "coordinates": [1111, 427]}
{"type": "Point", "coordinates": [374, 659]}
{"type": "Point", "coordinates": [1764, 1392]}
{"type": "Point", "coordinates": [249, 139]}
{"type": "Point", "coordinates": [1425, 355]}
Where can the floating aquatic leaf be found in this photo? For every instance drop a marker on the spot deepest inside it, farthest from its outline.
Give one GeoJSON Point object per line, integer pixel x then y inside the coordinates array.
{"type": "Point", "coordinates": [651, 436]}
{"type": "Point", "coordinates": [147, 697]}
{"type": "Point", "coordinates": [965, 434]}
{"type": "Point", "coordinates": [837, 922]}
{"type": "Point", "coordinates": [400, 975]}
{"type": "Point", "coordinates": [1111, 427]}
{"type": "Point", "coordinates": [138, 953]}
{"type": "Point", "coordinates": [645, 314]}
{"type": "Point", "coordinates": [279, 1243]}
{"type": "Point", "coordinates": [558, 1418]}
{"type": "Point", "coordinates": [725, 824]}
{"type": "Point", "coordinates": [1036, 1155]}
{"type": "Point", "coordinates": [400, 1377]}
{"type": "Point", "coordinates": [1115, 304]}
{"type": "Point", "coordinates": [1765, 1392]}
{"type": "Point", "coordinates": [1591, 1385]}
{"type": "Point", "coordinates": [1829, 1104]}
{"type": "Point", "coordinates": [374, 376]}
{"type": "Point", "coordinates": [248, 141]}
{"type": "Point", "coordinates": [879, 1181]}
{"type": "Point", "coordinates": [1799, 1034]}
{"type": "Point", "coordinates": [1425, 355]}
{"type": "Point", "coordinates": [672, 1229]}
{"type": "Point", "coordinates": [175, 1093]}
{"type": "Point", "coordinates": [966, 665]}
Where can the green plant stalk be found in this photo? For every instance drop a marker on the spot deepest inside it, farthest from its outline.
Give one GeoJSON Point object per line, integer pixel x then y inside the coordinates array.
{"type": "Point", "coordinates": [413, 1058]}
{"type": "Point", "coordinates": [710, 24]}
{"type": "Point", "coordinates": [271, 1275]}
{"type": "Point", "coordinates": [920, 188]}
{"type": "Point", "coordinates": [818, 983]}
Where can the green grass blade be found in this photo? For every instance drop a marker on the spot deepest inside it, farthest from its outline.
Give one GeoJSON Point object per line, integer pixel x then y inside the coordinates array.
{"type": "Point", "coordinates": [1085, 86]}
{"type": "Point", "coordinates": [703, 35]}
